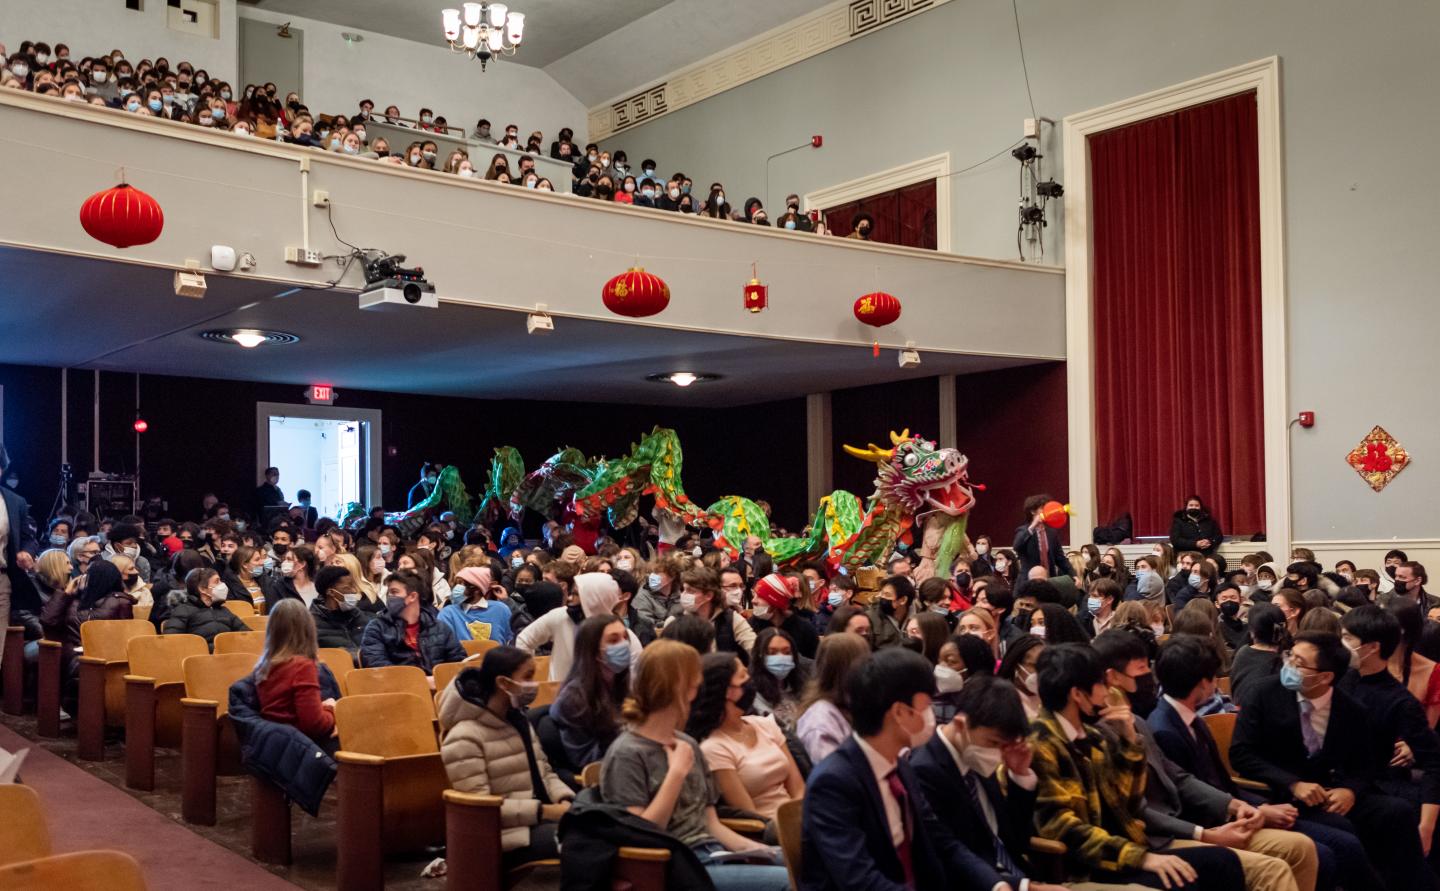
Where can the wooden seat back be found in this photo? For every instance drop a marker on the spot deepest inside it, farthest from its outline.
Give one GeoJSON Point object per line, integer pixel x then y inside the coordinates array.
{"type": "Point", "coordinates": [252, 642]}
{"type": "Point", "coordinates": [240, 608]}
{"type": "Point", "coordinates": [256, 623]}
{"type": "Point", "coordinates": [388, 679]}
{"type": "Point", "coordinates": [211, 677]}
{"type": "Point", "coordinates": [340, 663]}
{"type": "Point", "coordinates": [386, 725]}
{"type": "Point", "coordinates": [1222, 727]}
{"type": "Point", "coordinates": [478, 647]}
{"type": "Point", "coordinates": [445, 674]}
{"type": "Point", "coordinates": [82, 871]}
{"type": "Point", "coordinates": [162, 656]}
{"type": "Point", "coordinates": [788, 821]}
{"type": "Point", "coordinates": [23, 833]}
{"type": "Point", "coordinates": [108, 639]}
{"type": "Point", "coordinates": [546, 695]}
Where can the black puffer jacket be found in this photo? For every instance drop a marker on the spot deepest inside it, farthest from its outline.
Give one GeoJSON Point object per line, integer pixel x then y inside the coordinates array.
{"type": "Point", "coordinates": [384, 643]}
{"type": "Point", "coordinates": [342, 628]}
{"type": "Point", "coordinates": [1186, 529]}
{"type": "Point", "coordinates": [190, 615]}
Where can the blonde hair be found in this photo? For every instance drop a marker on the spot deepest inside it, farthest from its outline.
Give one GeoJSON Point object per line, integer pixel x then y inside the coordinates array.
{"type": "Point", "coordinates": [665, 671]}
{"type": "Point", "coordinates": [289, 633]}
{"type": "Point", "coordinates": [53, 568]}
{"type": "Point", "coordinates": [351, 563]}
{"type": "Point", "coordinates": [468, 555]}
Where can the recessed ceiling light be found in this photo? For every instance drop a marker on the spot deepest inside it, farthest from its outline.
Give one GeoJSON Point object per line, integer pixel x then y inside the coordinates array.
{"type": "Point", "coordinates": [682, 378]}
{"type": "Point", "coordinates": [249, 338]}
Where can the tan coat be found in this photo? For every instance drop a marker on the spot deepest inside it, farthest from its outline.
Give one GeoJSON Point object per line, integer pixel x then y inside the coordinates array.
{"type": "Point", "coordinates": [484, 754]}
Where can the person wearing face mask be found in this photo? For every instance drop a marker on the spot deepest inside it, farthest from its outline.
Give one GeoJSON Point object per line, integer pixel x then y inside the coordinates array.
{"type": "Point", "coordinates": [1310, 743]}
{"type": "Point", "coordinates": [1095, 811]}
{"type": "Point", "coordinates": [716, 206]}
{"type": "Point", "coordinates": [780, 680]}
{"type": "Point", "coordinates": [201, 608]}
{"type": "Point", "coordinates": [1148, 583]}
{"type": "Point", "coordinates": [488, 747]}
{"type": "Point", "coordinates": [593, 594]}
{"type": "Point", "coordinates": [957, 773]}
{"type": "Point", "coordinates": [659, 600]}
{"type": "Point", "coordinates": [1100, 606]}
{"type": "Point", "coordinates": [1232, 617]}
{"type": "Point", "coordinates": [125, 538]}
{"type": "Point", "coordinates": [746, 754]}
{"type": "Point", "coordinates": [867, 822]}
{"type": "Point", "coordinates": [1181, 810]}
{"type": "Point", "coordinates": [287, 677]}
{"type": "Point", "coordinates": [473, 612]}
{"type": "Point", "coordinates": [339, 621]}
{"type": "Point", "coordinates": [407, 633]}
{"type": "Point", "coordinates": [1018, 667]}
{"type": "Point", "coordinates": [891, 609]}
{"type": "Point", "coordinates": [773, 604]}
{"type": "Point", "coordinates": [862, 227]}
{"type": "Point", "coordinates": [700, 595]}
{"type": "Point", "coordinates": [58, 536]}
{"type": "Point", "coordinates": [586, 711]}
{"type": "Point", "coordinates": [1193, 528]}
{"type": "Point", "coordinates": [793, 220]}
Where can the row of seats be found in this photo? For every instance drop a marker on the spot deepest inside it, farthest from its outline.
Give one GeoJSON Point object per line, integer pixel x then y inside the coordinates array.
{"type": "Point", "coordinates": [28, 861]}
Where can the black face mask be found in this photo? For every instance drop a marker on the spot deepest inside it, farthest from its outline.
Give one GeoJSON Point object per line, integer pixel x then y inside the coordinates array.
{"type": "Point", "coordinates": [1022, 617]}
{"type": "Point", "coordinates": [1145, 697]}
{"type": "Point", "coordinates": [1390, 571]}
{"type": "Point", "coordinates": [280, 549]}
{"type": "Point", "coordinates": [962, 580]}
{"type": "Point", "coordinates": [1103, 570]}
{"type": "Point", "coordinates": [1230, 609]}
{"type": "Point", "coordinates": [1364, 589]}
{"type": "Point", "coordinates": [576, 613]}
{"type": "Point", "coordinates": [1402, 587]}
{"type": "Point", "coordinates": [746, 702]}
{"type": "Point", "coordinates": [887, 607]}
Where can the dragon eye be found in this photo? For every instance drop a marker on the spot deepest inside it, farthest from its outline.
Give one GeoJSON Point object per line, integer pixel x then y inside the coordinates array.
{"type": "Point", "coordinates": [911, 459]}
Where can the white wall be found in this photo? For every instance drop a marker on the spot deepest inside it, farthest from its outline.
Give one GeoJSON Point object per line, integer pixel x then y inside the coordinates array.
{"type": "Point", "coordinates": [1360, 227]}
{"type": "Point", "coordinates": [409, 74]}
{"type": "Point", "coordinates": [93, 27]}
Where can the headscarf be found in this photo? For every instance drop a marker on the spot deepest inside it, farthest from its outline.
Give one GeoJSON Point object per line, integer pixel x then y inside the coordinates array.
{"type": "Point", "coordinates": [477, 577]}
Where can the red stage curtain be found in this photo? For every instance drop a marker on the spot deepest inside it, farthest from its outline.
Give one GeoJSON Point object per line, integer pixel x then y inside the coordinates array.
{"type": "Point", "coordinates": [1178, 396]}
{"type": "Point", "coordinates": [904, 216]}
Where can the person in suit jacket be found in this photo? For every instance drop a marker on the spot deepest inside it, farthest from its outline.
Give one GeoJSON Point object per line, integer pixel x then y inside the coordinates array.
{"type": "Point", "coordinates": [957, 773]}
{"type": "Point", "coordinates": [1309, 742]}
{"type": "Point", "coordinates": [867, 823]}
{"type": "Point", "coordinates": [1038, 545]}
{"type": "Point", "coordinates": [1092, 784]}
{"type": "Point", "coordinates": [17, 550]}
{"type": "Point", "coordinates": [1182, 810]}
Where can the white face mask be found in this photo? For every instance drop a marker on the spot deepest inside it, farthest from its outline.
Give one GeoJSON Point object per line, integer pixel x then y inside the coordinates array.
{"type": "Point", "coordinates": [947, 679]}
{"type": "Point", "coordinates": [132, 552]}
{"type": "Point", "coordinates": [351, 601]}
{"type": "Point", "coordinates": [218, 593]}
{"type": "Point", "coordinates": [1025, 679]}
{"type": "Point", "coordinates": [287, 568]}
{"type": "Point", "coordinates": [624, 563]}
{"type": "Point", "coordinates": [687, 600]}
{"type": "Point", "coordinates": [983, 760]}
{"type": "Point", "coordinates": [927, 729]}
{"type": "Point", "coordinates": [384, 548]}
{"type": "Point", "coordinates": [733, 597]}
{"type": "Point", "coordinates": [1038, 631]}
{"type": "Point", "coordinates": [982, 549]}
{"type": "Point", "coordinates": [762, 610]}
{"type": "Point", "coordinates": [1157, 629]}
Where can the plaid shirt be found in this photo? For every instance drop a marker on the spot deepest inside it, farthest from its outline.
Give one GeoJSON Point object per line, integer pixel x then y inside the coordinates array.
{"type": "Point", "coordinates": [1089, 794]}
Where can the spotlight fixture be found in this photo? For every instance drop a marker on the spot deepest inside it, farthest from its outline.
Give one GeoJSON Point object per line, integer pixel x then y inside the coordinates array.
{"type": "Point", "coordinates": [682, 378]}
{"type": "Point", "coordinates": [1023, 153]}
{"type": "Point", "coordinates": [249, 338]}
{"type": "Point", "coordinates": [1049, 189]}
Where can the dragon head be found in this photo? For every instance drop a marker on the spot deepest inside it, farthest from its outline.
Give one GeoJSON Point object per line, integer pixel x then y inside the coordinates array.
{"type": "Point", "coordinates": [919, 476]}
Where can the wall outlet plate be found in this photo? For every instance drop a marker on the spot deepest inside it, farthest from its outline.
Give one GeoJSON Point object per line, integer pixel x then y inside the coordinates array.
{"type": "Point", "coordinates": [303, 257]}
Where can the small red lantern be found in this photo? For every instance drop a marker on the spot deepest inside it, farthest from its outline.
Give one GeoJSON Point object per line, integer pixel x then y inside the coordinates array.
{"type": "Point", "coordinates": [878, 309]}
{"type": "Point", "coordinates": [1055, 514]}
{"type": "Point", "coordinates": [122, 217]}
{"type": "Point", "coordinates": [636, 293]}
{"type": "Point", "coordinates": [757, 296]}
{"type": "Point", "coordinates": [141, 425]}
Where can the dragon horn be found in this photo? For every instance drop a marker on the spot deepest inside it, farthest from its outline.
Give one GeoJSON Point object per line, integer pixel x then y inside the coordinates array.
{"type": "Point", "coordinates": [896, 440]}
{"type": "Point", "coordinates": [873, 453]}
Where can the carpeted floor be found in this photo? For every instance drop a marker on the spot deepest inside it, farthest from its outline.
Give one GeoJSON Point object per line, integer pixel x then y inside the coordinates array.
{"type": "Point", "coordinates": [88, 806]}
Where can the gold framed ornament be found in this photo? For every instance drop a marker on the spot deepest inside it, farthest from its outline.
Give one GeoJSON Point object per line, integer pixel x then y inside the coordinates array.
{"type": "Point", "coordinates": [1378, 458]}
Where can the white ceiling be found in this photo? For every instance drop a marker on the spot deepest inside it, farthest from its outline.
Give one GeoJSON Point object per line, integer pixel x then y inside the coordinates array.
{"type": "Point", "coordinates": [124, 317]}
{"type": "Point", "coordinates": [596, 49]}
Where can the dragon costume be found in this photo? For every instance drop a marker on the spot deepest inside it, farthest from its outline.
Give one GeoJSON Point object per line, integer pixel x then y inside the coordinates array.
{"type": "Point", "coordinates": [449, 491]}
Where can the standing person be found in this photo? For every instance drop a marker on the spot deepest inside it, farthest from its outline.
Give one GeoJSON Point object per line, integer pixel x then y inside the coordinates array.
{"type": "Point", "coordinates": [429, 479]}
{"type": "Point", "coordinates": [1036, 544]}
{"type": "Point", "coordinates": [867, 823]}
{"type": "Point", "coordinates": [1092, 784]}
{"type": "Point", "coordinates": [17, 550]}
{"type": "Point", "coordinates": [1193, 529]}
{"type": "Point", "coordinates": [1308, 742]}
{"type": "Point", "coordinates": [268, 495]}
{"type": "Point", "coordinates": [657, 772]}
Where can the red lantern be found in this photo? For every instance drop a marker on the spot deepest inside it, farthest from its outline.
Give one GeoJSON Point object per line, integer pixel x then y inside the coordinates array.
{"type": "Point", "coordinates": [1055, 514]}
{"type": "Point", "coordinates": [141, 425]}
{"type": "Point", "coordinates": [878, 309]}
{"type": "Point", "coordinates": [122, 217]}
{"type": "Point", "coordinates": [757, 296]}
{"type": "Point", "coordinates": [636, 293]}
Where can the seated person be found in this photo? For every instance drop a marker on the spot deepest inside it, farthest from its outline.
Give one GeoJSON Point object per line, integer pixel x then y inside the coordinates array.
{"type": "Point", "coordinates": [824, 721]}
{"type": "Point", "coordinates": [590, 594]}
{"type": "Point", "coordinates": [1309, 742]}
{"type": "Point", "coordinates": [406, 633]}
{"type": "Point", "coordinates": [779, 680]}
{"type": "Point", "coordinates": [586, 711]}
{"type": "Point", "coordinates": [1400, 736]}
{"type": "Point", "coordinates": [1018, 667]}
{"type": "Point", "coordinates": [473, 613]}
{"type": "Point", "coordinates": [287, 677]}
{"type": "Point", "coordinates": [746, 754]}
{"type": "Point", "coordinates": [657, 772]}
{"type": "Point", "coordinates": [957, 771]}
{"type": "Point", "coordinates": [867, 822]}
{"type": "Point", "coordinates": [339, 622]}
{"type": "Point", "coordinates": [1092, 784]}
{"type": "Point", "coordinates": [1261, 657]}
{"type": "Point", "coordinates": [201, 610]}
{"type": "Point", "coordinates": [489, 748]}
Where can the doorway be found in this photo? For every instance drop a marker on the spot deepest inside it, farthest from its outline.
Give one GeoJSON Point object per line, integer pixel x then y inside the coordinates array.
{"type": "Point", "coordinates": [333, 453]}
{"type": "Point", "coordinates": [270, 53]}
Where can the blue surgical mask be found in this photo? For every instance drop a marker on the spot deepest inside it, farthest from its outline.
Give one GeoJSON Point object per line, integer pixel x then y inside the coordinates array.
{"type": "Point", "coordinates": [257, 571]}
{"type": "Point", "coordinates": [653, 581]}
{"type": "Point", "coordinates": [836, 598]}
{"type": "Point", "coordinates": [1094, 603]}
{"type": "Point", "coordinates": [780, 665]}
{"type": "Point", "coordinates": [132, 106]}
{"type": "Point", "coordinates": [1194, 580]}
{"type": "Point", "coordinates": [1291, 678]}
{"type": "Point", "coordinates": [617, 656]}
{"type": "Point", "coordinates": [517, 561]}
{"type": "Point", "coordinates": [58, 541]}
{"type": "Point", "coordinates": [217, 113]}
{"type": "Point", "coordinates": [156, 105]}
{"type": "Point", "coordinates": [789, 224]}
{"type": "Point", "coordinates": [457, 595]}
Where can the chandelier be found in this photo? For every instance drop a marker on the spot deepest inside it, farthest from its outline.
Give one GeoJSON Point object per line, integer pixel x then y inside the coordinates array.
{"type": "Point", "coordinates": [483, 31]}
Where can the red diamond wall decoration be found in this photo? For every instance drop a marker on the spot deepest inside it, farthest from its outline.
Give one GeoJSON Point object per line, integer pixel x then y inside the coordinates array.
{"type": "Point", "coordinates": [1378, 458]}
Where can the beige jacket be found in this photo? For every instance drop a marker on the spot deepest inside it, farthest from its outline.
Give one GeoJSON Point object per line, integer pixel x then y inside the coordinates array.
{"type": "Point", "coordinates": [484, 754]}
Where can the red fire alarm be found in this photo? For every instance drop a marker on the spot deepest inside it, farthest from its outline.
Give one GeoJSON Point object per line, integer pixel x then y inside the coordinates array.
{"type": "Point", "coordinates": [1307, 419]}
{"type": "Point", "coordinates": [817, 140]}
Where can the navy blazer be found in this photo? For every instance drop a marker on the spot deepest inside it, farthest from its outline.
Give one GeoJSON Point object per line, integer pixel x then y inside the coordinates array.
{"type": "Point", "coordinates": [948, 796]}
{"type": "Point", "coordinates": [22, 590]}
{"type": "Point", "coordinates": [847, 837]}
{"type": "Point", "coordinates": [1027, 549]}
{"type": "Point", "coordinates": [1268, 745]}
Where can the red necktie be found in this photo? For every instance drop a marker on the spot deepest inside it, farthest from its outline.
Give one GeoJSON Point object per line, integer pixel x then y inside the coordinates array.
{"type": "Point", "coordinates": [1044, 543]}
{"type": "Point", "coordinates": [902, 850]}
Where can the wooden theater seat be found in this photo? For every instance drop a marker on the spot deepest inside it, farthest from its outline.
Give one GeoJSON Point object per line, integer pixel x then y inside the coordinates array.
{"type": "Point", "coordinates": [240, 608]}
{"type": "Point", "coordinates": [252, 642]}
{"type": "Point", "coordinates": [23, 833]}
{"type": "Point", "coordinates": [339, 661]}
{"type": "Point", "coordinates": [153, 690]}
{"type": "Point", "coordinates": [389, 679]}
{"type": "Point", "coordinates": [478, 647]}
{"type": "Point", "coordinates": [82, 871]}
{"type": "Point", "coordinates": [103, 664]}
{"type": "Point", "coordinates": [208, 745]}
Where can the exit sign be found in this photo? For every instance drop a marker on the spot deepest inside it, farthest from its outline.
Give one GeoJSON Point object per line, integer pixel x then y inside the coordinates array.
{"type": "Point", "coordinates": [320, 394]}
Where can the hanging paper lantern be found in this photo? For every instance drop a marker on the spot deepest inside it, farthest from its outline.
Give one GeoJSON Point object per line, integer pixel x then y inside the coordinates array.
{"type": "Point", "coordinates": [122, 217]}
{"type": "Point", "coordinates": [1055, 514]}
{"type": "Point", "coordinates": [757, 296]}
{"type": "Point", "coordinates": [636, 293]}
{"type": "Point", "coordinates": [878, 309]}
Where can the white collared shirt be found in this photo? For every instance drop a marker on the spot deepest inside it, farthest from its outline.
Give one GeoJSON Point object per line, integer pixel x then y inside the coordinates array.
{"type": "Point", "coordinates": [1071, 734]}
{"type": "Point", "coordinates": [1320, 711]}
{"type": "Point", "coordinates": [1186, 713]}
{"type": "Point", "coordinates": [1027, 781]}
{"type": "Point", "coordinates": [882, 768]}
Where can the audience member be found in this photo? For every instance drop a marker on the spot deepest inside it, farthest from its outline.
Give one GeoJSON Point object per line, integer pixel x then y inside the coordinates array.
{"type": "Point", "coordinates": [287, 677]}
{"type": "Point", "coordinates": [586, 711]}
{"type": "Point", "coordinates": [407, 633]}
{"type": "Point", "coordinates": [201, 609]}
{"type": "Point", "coordinates": [824, 721]}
